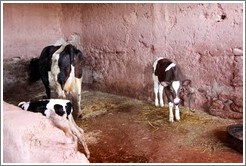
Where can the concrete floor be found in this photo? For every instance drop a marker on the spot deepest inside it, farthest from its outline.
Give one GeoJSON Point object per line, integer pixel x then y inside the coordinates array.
{"type": "Point", "coordinates": [125, 130]}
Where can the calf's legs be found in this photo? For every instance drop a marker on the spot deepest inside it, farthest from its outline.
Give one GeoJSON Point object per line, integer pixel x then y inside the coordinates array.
{"type": "Point", "coordinates": [70, 128]}
{"type": "Point", "coordinates": [158, 88]}
{"type": "Point", "coordinates": [79, 133]}
{"type": "Point", "coordinates": [63, 124]}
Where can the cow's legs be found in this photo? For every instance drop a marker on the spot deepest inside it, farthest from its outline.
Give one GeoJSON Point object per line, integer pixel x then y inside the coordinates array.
{"type": "Point", "coordinates": [63, 124]}
{"type": "Point", "coordinates": [156, 88]}
{"type": "Point", "coordinates": [170, 104]}
{"type": "Point", "coordinates": [161, 95]}
{"type": "Point", "coordinates": [79, 87]}
{"type": "Point", "coordinates": [45, 80]}
{"type": "Point", "coordinates": [177, 113]}
{"type": "Point", "coordinates": [60, 92]}
{"type": "Point", "coordinates": [170, 111]}
{"type": "Point", "coordinates": [76, 97]}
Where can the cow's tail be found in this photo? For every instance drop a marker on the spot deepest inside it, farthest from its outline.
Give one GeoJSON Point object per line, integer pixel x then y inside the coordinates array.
{"type": "Point", "coordinates": [71, 53]}
{"type": "Point", "coordinates": [34, 74]}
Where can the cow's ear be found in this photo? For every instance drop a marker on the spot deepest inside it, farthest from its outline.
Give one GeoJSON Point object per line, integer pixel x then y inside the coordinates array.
{"type": "Point", "coordinates": [186, 82]}
{"type": "Point", "coordinates": [165, 84]}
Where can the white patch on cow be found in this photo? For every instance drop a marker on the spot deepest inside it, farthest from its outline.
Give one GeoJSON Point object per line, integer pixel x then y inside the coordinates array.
{"type": "Point", "coordinates": [176, 86]}
{"type": "Point", "coordinates": [24, 105]}
{"type": "Point", "coordinates": [176, 100]}
{"type": "Point", "coordinates": [55, 70]}
{"type": "Point", "coordinates": [69, 84]}
{"type": "Point", "coordinates": [47, 113]}
{"type": "Point", "coordinates": [158, 88]}
{"type": "Point", "coordinates": [55, 85]}
{"type": "Point", "coordinates": [170, 104]}
{"type": "Point", "coordinates": [73, 86]}
{"type": "Point", "coordinates": [78, 84]}
{"type": "Point", "coordinates": [53, 102]}
{"type": "Point", "coordinates": [177, 113]}
{"type": "Point", "coordinates": [170, 66]}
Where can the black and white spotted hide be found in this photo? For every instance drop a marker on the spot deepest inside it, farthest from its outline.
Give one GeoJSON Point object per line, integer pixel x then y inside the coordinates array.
{"type": "Point", "coordinates": [60, 68]}
{"type": "Point", "coordinates": [59, 111]}
{"type": "Point", "coordinates": [167, 77]}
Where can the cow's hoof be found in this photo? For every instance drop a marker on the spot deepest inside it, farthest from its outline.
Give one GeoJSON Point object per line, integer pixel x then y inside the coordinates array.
{"type": "Point", "coordinates": [171, 120]}
{"type": "Point", "coordinates": [177, 119]}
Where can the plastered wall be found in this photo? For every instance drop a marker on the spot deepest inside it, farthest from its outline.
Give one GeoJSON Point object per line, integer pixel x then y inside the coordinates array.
{"type": "Point", "coordinates": [121, 41]}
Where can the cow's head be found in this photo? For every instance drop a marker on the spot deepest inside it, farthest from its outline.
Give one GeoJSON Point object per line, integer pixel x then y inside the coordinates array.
{"type": "Point", "coordinates": [175, 89]}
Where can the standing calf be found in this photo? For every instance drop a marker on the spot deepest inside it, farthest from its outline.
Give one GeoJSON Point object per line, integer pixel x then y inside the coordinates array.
{"type": "Point", "coordinates": [168, 77]}
{"type": "Point", "coordinates": [59, 111]}
{"type": "Point", "coordinates": [60, 67]}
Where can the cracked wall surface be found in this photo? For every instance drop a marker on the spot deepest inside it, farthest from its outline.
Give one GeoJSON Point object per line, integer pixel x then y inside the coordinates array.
{"type": "Point", "coordinates": [121, 41]}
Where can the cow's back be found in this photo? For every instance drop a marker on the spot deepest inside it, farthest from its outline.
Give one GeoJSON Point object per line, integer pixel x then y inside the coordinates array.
{"type": "Point", "coordinates": [45, 58]}
{"type": "Point", "coordinates": [160, 70]}
{"type": "Point", "coordinates": [71, 56]}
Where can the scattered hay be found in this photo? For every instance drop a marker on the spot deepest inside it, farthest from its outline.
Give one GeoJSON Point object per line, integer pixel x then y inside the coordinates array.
{"type": "Point", "coordinates": [98, 103]}
{"type": "Point", "coordinates": [210, 145]}
{"type": "Point", "coordinates": [92, 137]}
{"type": "Point", "coordinates": [157, 117]}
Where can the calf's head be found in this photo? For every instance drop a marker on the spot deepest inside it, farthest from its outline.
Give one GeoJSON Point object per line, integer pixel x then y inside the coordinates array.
{"type": "Point", "coordinates": [175, 89]}
{"type": "Point", "coordinates": [24, 105]}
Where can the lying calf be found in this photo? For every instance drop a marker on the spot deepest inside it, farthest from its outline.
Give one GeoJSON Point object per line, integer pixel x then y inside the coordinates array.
{"type": "Point", "coordinates": [59, 111]}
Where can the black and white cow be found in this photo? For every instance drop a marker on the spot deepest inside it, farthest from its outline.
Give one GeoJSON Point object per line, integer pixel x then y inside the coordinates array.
{"type": "Point", "coordinates": [59, 111]}
{"type": "Point", "coordinates": [168, 77]}
{"type": "Point", "coordinates": [60, 68]}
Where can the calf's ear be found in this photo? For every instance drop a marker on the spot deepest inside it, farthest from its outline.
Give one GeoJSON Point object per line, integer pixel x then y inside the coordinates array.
{"type": "Point", "coordinates": [165, 84]}
{"type": "Point", "coordinates": [21, 104]}
{"type": "Point", "coordinates": [186, 82]}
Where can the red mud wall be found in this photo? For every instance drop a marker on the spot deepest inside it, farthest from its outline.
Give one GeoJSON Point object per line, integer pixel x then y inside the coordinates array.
{"type": "Point", "coordinates": [121, 41]}
{"type": "Point", "coordinates": [27, 28]}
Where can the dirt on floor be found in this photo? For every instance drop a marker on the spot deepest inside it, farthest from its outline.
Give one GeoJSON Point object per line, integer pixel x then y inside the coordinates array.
{"type": "Point", "coordinates": [125, 130]}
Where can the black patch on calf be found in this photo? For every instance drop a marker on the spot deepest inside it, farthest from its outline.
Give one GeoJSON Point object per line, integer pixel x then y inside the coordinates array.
{"type": "Point", "coordinates": [38, 106]}
{"type": "Point", "coordinates": [161, 66]}
{"type": "Point", "coordinates": [59, 109]}
{"type": "Point", "coordinates": [69, 108]}
{"type": "Point", "coordinates": [173, 74]}
{"type": "Point", "coordinates": [166, 76]}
